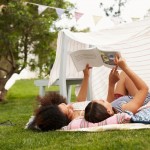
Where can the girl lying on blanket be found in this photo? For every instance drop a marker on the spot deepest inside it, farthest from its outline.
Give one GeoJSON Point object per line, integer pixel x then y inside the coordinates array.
{"type": "Point", "coordinates": [98, 110]}
{"type": "Point", "coordinates": [55, 113]}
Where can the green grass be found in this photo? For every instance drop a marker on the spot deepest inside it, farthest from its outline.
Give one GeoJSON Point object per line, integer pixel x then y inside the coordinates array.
{"type": "Point", "coordinates": [19, 107]}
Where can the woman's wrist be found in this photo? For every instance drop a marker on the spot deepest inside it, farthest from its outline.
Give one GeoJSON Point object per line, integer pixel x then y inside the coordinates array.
{"type": "Point", "coordinates": [86, 76]}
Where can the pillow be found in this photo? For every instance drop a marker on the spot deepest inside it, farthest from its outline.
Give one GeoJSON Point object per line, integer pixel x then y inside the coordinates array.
{"type": "Point", "coordinates": [119, 118]}
{"type": "Point", "coordinates": [143, 116]}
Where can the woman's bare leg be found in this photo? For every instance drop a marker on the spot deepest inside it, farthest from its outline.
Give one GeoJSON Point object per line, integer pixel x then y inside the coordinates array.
{"type": "Point", "coordinates": [130, 87]}
{"type": "Point", "coordinates": [125, 86]}
{"type": "Point", "coordinates": [120, 86]}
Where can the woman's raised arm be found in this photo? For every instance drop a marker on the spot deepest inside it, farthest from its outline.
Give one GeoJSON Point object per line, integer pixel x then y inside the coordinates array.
{"type": "Point", "coordinates": [142, 92]}
{"type": "Point", "coordinates": [113, 79]}
{"type": "Point", "coordinates": [84, 85]}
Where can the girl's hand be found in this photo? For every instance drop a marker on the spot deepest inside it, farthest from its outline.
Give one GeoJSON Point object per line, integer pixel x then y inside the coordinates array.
{"type": "Point", "coordinates": [86, 71]}
{"type": "Point", "coordinates": [119, 61]}
{"type": "Point", "coordinates": [114, 76]}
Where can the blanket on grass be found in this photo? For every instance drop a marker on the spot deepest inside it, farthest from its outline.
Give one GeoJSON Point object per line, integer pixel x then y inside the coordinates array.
{"type": "Point", "coordinates": [127, 126]}
{"type": "Point", "coordinates": [119, 121]}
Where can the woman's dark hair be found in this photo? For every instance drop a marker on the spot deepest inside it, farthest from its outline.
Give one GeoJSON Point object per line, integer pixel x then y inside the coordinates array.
{"type": "Point", "coordinates": [51, 98]}
{"type": "Point", "coordinates": [95, 112]}
{"type": "Point", "coordinates": [50, 118]}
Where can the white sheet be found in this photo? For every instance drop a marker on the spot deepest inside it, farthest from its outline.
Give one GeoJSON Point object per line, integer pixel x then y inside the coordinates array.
{"type": "Point", "coordinates": [132, 40]}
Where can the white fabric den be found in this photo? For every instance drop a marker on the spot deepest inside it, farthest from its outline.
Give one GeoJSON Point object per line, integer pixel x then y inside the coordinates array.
{"type": "Point", "coordinates": [132, 40]}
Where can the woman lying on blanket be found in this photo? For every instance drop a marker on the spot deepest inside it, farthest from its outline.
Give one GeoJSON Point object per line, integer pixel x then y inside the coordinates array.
{"type": "Point", "coordinates": [55, 113]}
{"type": "Point", "coordinates": [99, 110]}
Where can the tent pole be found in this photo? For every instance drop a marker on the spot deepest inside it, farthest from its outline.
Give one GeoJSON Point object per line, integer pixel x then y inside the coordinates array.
{"type": "Point", "coordinates": [62, 72]}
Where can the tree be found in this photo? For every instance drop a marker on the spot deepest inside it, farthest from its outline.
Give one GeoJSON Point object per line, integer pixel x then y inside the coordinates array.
{"type": "Point", "coordinates": [114, 10]}
{"type": "Point", "coordinates": [24, 34]}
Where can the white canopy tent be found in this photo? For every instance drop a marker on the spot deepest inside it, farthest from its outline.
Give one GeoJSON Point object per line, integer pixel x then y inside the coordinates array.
{"type": "Point", "coordinates": [132, 40]}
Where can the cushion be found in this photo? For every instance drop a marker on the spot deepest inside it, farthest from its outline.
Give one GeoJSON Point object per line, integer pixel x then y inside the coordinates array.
{"type": "Point", "coordinates": [119, 118]}
{"type": "Point", "coordinates": [142, 116]}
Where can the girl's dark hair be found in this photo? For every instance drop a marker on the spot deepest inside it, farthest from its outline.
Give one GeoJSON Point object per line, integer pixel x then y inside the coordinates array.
{"type": "Point", "coordinates": [51, 98]}
{"type": "Point", "coordinates": [50, 118]}
{"type": "Point", "coordinates": [95, 112]}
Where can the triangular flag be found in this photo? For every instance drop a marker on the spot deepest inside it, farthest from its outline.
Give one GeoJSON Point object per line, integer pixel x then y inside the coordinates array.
{"type": "Point", "coordinates": [41, 8]}
{"type": "Point", "coordinates": [96, 19]}
{"type": "Point", "coordinates": [25, 3]}
{"type": "Point", "coordinates": [135, 19]}
{"type": "Point", "coordinates": [59, 12]}
{"type": "Point", "coordinates": [78, 15]}
{"type": "Point", "coordinates": [2, 7]}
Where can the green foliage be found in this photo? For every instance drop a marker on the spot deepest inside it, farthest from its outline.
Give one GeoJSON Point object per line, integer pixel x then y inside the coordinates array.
{"type": "Point", "coordinates": [26, 34]}
{"type": "Point", "coordinates": [19, 107]}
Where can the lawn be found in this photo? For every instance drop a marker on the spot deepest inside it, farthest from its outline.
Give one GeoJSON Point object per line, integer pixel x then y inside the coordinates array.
{"type": "Point", "coordinates": [21, 101]}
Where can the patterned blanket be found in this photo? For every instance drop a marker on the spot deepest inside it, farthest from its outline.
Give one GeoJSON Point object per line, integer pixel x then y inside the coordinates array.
{"type": "Point", "coordinates": [127, 126]}
{"type": "Point", "coordinates": [142, 116]}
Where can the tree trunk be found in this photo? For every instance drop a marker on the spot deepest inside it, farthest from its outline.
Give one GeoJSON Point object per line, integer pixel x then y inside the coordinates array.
{"type": "Point", "coordinates": [6, 71]}
{"type": "Point", "coordinates": [3, 95]}
{"type": "Point", "coordinates": [3, 91]}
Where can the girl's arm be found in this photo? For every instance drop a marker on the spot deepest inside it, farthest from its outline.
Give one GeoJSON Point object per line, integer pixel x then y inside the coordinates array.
{"type": "Point", "coordinates": [113, 79]}
{"type": "Point", "coordinates": [141, 94]}
{"type": "Point", "coordinates": [84, 85]}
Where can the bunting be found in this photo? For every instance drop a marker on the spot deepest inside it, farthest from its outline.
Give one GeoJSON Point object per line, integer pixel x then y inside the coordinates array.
{"type": "Point", "coordinates": [78, 15]}
{"type": "Point", "coordinates": [2, 8]}
{"type": "Point", "coordinates": [25, 3]}
{"type": "Point", "coordinates": [135, 19]}
{"type": "Point", "coordinates": [59, 12]}
{"type": "Point", "coordinates": [41, 9]}
{"type": "Point", "coordinates": [96, 19]}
